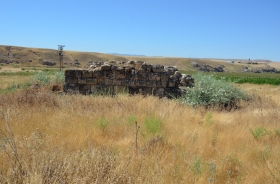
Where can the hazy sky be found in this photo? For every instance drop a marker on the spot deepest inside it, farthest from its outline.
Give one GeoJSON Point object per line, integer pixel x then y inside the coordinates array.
{"type": "Point", "coordinates": [182, 28]}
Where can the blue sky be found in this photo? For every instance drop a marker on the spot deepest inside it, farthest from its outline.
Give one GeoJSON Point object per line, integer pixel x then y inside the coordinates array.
{"type": "Point", "coordinates": [181, 28]}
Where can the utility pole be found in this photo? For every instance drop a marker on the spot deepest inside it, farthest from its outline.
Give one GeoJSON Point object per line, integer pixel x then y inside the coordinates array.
{"type": "Point", "coordinates": [60, 54]}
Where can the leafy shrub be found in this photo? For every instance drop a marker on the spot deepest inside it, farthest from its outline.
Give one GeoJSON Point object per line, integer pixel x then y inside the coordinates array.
{"type": "Point", "coordinates": [59, 77]}
{"type": "Point", "coordinates": [208, 91]}
{"type": "Point", "coordinates": [42, 78]}
{"type": "Point", "coordinates": [47, 77]}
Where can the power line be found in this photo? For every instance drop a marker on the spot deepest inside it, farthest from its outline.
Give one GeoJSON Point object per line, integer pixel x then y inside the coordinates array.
{"type": "Point", "coordinates": [60, 54]}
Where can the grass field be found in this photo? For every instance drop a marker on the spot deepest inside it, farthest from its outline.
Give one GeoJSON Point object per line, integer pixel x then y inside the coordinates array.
{"type": "Point", "coordinates": [245, 77]}
{"type": "Point", "coordinates": [54, 138]}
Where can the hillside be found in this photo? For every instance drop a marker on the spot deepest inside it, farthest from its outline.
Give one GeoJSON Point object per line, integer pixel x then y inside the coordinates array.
{"type": "Point", "coordinates": [37, 57]}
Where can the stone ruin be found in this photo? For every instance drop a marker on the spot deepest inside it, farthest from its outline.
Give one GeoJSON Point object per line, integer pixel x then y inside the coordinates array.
{"type": "Point", "coordinates": [137, 77]}
{"type": "Point", "coordinates": [208, 68]}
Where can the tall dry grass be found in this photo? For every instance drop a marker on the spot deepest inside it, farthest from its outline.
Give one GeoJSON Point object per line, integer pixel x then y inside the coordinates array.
{"type": "Point", "coordinates": [87, 139]}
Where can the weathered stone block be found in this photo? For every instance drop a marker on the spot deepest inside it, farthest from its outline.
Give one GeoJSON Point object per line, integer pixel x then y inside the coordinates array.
{"type": "Point", "coordinates": [82, 81]}
{"type": "Point", "coordinates": [139, 65]}
{"type": "Point", "coordinates": [161, 84]}
{"type": "Point", "coordinates": [164, 77]}
{"type": "Point", "coordinates": [100, 81]}
{"type": "Point", "coordinates": [105, 67]}
{"type": "Point", "coordinates": [72, 73]}
{"type": "Point", "coordinates": [151, 84]}
{"type": "Point", "coordinates": [108, 82]}
{"type": "Point", "coordinates": [117, 82]}
{"type": "Point", "coordinates": [84, 89]}
{"type": "Point", "coordinates": [143, 76]}
{"type": "Point", "coordinates": [114, 67]}
{"type": "Point", "coordinates": [178, 75]}
{"type": "Point", "coordinates": [132, 83]}
{"type": "Point", "coordinates": [154, 76]}
{"type": "Point", "coordinates": [159, 92]}
{"type": "Point", "coordinates": [147, 67]}
{"type": "Point", "coordinates": [131, 62]}
{"type": "Point", "coordinates": [125, 82]}
{"type": "Point", "coordinates": [97, 73]}
{"type": "Point", "coordinates": [186, 80]}
{"type": "Point", "coordinates": [92, 81]}
{"type": "Point", "coordinates": [92, 89]}
{"type": "Point", "coordinates": [119, 74]}
{"type": "Point", "coordinates": [172, 82]}
{"type": "Point", "coordinates": [129, 69]}
{"type": "Point", "coordinates": [141, 83]}
{"type": "Point", "coordinates": [170, 69]}
{"type": "Point", "coordinates": [158, 68]}
{"type": "Point", "coordinates": [71, 88]}
{"type": "Point", "coordinates": [71, 80]}
{"type": "Point", "coordinates": [87, 74]}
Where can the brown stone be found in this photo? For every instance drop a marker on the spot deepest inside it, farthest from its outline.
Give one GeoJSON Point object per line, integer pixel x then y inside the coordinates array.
{"type": "Point", "coordinates": [105, 67]}
{"type": "Point", "coordinates": [158, 68]}
{"type": "Point", "coordinates": [91, 81]}
{"type": "Point", "coordinates": [154, 76]}
{"type": "Point", "coordinates": [117, 82]}
{"type": "Point", "coordinates": [87, 74]}
{"type": "Point", "coordinates": [82, 81]}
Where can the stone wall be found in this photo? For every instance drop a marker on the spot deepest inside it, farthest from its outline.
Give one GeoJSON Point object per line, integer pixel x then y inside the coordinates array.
{"type": "Point", "coordinates": [135, 77]}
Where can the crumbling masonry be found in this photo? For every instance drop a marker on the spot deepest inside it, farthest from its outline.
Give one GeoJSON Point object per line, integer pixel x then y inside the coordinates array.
{"type": "Point", "coordinates": [136, 77]}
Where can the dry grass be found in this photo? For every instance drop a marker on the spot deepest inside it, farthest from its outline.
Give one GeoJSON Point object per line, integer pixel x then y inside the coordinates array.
{"type": "Point", "coordinates": [5, 81]}
{"type": "Point", "coordinates": [86, 139]}
{"type": "Point", "coordinates": [23, 55]}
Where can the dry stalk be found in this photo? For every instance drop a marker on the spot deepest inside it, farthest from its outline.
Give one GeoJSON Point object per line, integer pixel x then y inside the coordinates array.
{"type": "Point", "coordinates": [136, 136]}
{"type": "Point", "coordinates": [17, 166]}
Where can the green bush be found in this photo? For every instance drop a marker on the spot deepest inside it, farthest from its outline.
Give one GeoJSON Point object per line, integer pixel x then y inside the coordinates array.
{"type": "Point", "coordinates": [42, 78]}
{"type": "Point", "coordinates": [208, 91]}
{"type": "Point", "coordinates": [59, 77]}
{"type": "Point", "coordinates": [47, 77]}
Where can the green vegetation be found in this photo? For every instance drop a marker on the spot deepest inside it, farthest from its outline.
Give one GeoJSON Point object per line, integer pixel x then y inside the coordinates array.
{"type": "Point", "coordinates": [253, 78]}
{"type": "Point", "coordinates": [47, 77]}
{"type": "Point", "coordinates": [131, 119]}
{"type": "Point", "coordinates": [20, 73]}
{"type": "Point", "coordinates": [153, 125]}
{"type": "Point", "coordinates": [42, 78]}
{"type": "Point", "coordinates": [208, 91]}
{"type": "Point", "coordinates": [244, 77]}
{"type": "Point", "coordinates": [259, 132]}
{"type": "Point", "coordinates": [102, 123]}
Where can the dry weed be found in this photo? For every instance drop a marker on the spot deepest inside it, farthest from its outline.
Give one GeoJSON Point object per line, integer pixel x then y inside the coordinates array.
{"type": "Point", "coordinates": [86, 139]}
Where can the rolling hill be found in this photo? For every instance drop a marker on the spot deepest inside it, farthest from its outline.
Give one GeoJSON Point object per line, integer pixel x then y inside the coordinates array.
{"type": "Point", "coordinates": [38, 57]}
